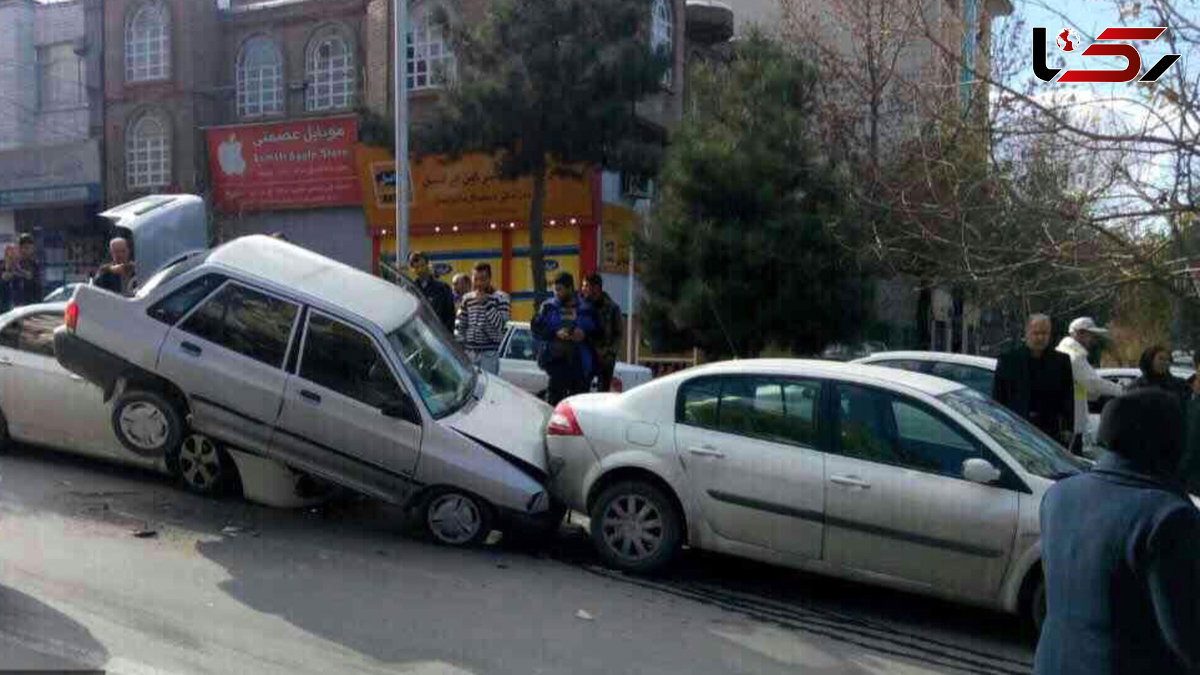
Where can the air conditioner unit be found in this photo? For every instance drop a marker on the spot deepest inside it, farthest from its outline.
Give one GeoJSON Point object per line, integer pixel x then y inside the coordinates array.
{"type": "Point", "coordinates": [636, 185]}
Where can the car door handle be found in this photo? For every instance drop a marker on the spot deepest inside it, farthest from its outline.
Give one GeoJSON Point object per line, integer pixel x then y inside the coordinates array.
{"type": "Point", "coordinates": [310, 396]}
{"type": "Point", "coordinates": [705, 451]}
{"type": "Point", "coordinates": [850, 481]}
{"type": "Point", "coordinates": [191, 348]}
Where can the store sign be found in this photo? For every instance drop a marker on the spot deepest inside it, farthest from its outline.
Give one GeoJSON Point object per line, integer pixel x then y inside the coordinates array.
{"type": "Point", "coordinates": [47, 176]}
{"type": "Point", "coordinates": [289, 165]}
{"type": "Point", "coordinates": [616, 231]}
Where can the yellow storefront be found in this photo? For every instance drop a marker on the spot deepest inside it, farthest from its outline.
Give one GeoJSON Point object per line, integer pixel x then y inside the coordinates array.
{"type": "Point", "coordinates": [461, 214]}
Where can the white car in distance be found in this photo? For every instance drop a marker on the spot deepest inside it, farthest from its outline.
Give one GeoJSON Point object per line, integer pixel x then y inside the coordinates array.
{"type": "Point", "coordinates": [518, 364]}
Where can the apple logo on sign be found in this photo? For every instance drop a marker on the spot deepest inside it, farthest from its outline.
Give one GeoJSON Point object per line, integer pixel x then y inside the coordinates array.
{"type": "Point", "coordinates": [229, 155]}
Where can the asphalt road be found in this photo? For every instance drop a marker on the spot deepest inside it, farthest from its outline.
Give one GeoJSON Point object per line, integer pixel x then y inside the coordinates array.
{"type": "Point", "coordinates": [224, 586]}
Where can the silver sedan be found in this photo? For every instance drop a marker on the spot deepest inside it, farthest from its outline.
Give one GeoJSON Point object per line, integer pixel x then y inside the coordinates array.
{"type": "Point", "coordinates": [43, 404]}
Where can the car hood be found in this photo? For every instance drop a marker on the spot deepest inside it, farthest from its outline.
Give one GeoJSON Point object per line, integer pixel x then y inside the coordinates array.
{"type": "Point", "coordinates": [507, 420]}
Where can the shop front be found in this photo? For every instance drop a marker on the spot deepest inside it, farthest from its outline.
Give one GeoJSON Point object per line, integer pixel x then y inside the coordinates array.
{"type": "Point", "coordinates": [298, 178]}
{"type": "Point", "coordinates": [461, 213]}
{"type": "Point", "coordinates": [54, 194]}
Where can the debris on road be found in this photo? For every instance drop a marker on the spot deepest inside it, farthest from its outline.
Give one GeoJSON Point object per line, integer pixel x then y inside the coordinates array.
{"type": "Point", "coordinates": [585, 615]}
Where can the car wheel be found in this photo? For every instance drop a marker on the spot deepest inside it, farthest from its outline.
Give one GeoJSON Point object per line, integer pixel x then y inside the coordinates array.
{"type": "Point", "coordinates": [147, 423]}
{"type": "Point", "coordinates": [5, 439]}
{"type": "Point", "coordinates": [455, 518]}
{"type": "Point", "coordinates": [1036, 611]}
{"type": "Point", "coordinates": [203, 466]}
{"type": "Point", "coordinates": [636, 527]}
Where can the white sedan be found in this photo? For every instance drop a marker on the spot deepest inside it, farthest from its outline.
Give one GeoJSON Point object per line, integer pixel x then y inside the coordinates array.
{"type": "Point", "coordinates": [43, 404]}
{"type": "Point", "coordinates": [518, 364]}
{"type": "Point", "coordinates": [875, 474]}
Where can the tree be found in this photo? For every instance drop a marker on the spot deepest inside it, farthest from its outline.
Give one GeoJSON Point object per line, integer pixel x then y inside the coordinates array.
{"type": "Point", "coordinates": [551, 86]}
{"type": "Point", "coordinates": [742, 255]}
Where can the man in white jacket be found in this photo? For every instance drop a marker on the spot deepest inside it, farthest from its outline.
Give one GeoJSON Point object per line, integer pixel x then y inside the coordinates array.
{"type": "Point", "coordinates": [1088, 385]}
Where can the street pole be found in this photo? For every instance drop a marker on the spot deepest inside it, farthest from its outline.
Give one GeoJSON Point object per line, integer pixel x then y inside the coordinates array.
{"type": "Point", "coordinates": [399, 68]}
{"type": "Point", "coordinates": [629, 333]}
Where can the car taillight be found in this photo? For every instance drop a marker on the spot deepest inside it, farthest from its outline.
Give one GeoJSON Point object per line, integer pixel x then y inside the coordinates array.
{"type": "Point", "coordinates": [563, 422]}
{"type": "Point", "coordinates": [617, 385]}
{"type": "Point", "coordinates": [71, 316]}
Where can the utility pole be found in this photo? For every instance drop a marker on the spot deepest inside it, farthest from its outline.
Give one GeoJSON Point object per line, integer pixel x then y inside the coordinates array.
{"type": "Point", "coordinates": [399, 69]}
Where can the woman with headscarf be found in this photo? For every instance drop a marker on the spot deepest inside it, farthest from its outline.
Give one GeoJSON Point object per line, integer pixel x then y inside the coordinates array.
{"type": "Point", "coordinates": [1121, 552]}
{"type": "Point", "coordinates": [1156, 372]}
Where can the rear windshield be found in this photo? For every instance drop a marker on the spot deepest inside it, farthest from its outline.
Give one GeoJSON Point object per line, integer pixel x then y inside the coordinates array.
{"type": "Point", "coordinates": [171, 270]}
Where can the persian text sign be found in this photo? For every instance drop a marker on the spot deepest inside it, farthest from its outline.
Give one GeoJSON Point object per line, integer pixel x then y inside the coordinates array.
{"type": "Point", "coordinates": [290, 165]}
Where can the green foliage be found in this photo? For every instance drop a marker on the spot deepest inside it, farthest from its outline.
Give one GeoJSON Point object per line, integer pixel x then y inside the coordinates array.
{"type": "Point", "coordinates": [742, 254]}
{"type": "Point", "coordinates": [546, 84]}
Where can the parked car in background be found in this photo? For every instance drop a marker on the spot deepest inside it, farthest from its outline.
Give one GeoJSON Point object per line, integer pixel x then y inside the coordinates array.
{"type": "Point", "coordinates": [848, 352]}
{"type": "Point", "coordinates": [43, 404]}
{"type": "Point", "coordinates": [1125, 377]}
{"type": "Point", "coordinates": [278, 351]}
{"type": "Point", "coordinates": [518, 364]}
{"type": "Point", "coordinates": [977, 372]}
{"type": "Point", "coordinates": [868, 473]}
{"type": "Point", "coordinates": [61, 294]}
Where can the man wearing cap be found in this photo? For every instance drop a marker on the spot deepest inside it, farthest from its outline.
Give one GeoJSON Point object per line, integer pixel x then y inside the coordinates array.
{"type": "Point", "coordinates": [1083, 334]}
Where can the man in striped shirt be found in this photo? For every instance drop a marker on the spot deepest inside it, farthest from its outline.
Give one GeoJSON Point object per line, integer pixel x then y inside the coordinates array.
{"type": "Point", "coordinates": [481, 320]}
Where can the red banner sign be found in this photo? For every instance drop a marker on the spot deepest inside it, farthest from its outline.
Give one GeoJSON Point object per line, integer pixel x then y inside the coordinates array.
{"type": "Point", "coordinates": [290, 165]}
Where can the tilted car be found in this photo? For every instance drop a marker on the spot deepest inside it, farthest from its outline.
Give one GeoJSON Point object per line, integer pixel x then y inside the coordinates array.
{"type": "Point", "coordinates": [518, 364]}
{"type": "Point", "coordinates": [868, 473]}
{"type": "Point", "coordinates": [43, 404]}
{"type": "Point", "coordinates": [278, 351]}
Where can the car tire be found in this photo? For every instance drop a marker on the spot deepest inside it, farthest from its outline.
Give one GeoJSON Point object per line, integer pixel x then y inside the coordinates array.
{"type": "Point", "coordinates": [147, 423]}
{"type": "Point", "coordinates": [1035, 611]}
{"type": "Point", "coordinates": [5, 439]}
{"type": "Point", "coordinates": [635, 515]}
{"type": "Point", "coordinates": [453, 517]}
{"type": "Point", "coordinates": [203, 466]}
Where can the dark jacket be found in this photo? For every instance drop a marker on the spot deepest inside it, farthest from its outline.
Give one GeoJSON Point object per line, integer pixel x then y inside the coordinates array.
{"type": "Point", "coordinates": [1012, 388]}
{"type": "Point", "coordinates": [1121, 553]}
{"type": "Point", "coordinates": [1168, 383]}
{"type": "Point", "coordinates": [109, 280]}
{"type": "Point", "coordinates": [441, 298]}
{"type": "Point", "coordinates": [26, 291]}
{"type": "Point", "coordinates": [609, 323]}
{"type": "Point", "coordinates": [563, 358]}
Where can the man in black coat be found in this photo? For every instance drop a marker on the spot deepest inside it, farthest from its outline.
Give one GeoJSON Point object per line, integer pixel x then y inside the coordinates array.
{"type": "Point", "coordinates": [1036, 382]}
{"type": "Point", "coordinates": [1121, 552]}
{"type": "Point", "coordinates": [438, 293]}
{"type": "Point", "coordinates": [117, 276]}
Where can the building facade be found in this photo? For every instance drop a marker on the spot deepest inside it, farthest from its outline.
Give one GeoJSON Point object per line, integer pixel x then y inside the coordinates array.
{"type": "Point", "coordinates": [51, 116]}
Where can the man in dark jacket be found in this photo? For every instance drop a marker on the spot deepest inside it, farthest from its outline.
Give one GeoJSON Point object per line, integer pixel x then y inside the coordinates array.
{"type": "Point", "coordinates": [563, 324]}
{"type": "Point", "coordinates": [25, 280]}
{"type": "Point", "coordinates": [117, 276]}
{"type": "Point", "coordinates": [607, 340]}
{"type": "Point", "coordinates": [1036, 382]}
{"type": "Point", "coordinates": [1121, 552]}
{"type": "Point", "coordinates": [438, 293]}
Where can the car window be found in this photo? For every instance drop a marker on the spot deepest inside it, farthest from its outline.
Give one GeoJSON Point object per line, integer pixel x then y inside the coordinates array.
{"type": "Point", "coordinates": [246, 321]}
{"type": "Point", "coordinates": [902, 364]}
{"type": "Point", "coordinates": [33, 334]}
{"type": "Point", "coordinates": [778, 410]}
{"type": "Point", "coordinates": [889, 428]}
{"type": "Point", "coordinates": [698, 400]}
{"type": "Point", "coordinates": [520, 345]}
{"type": "Point", "coordinates": [344, 359]}
{"type": "Point", "coordinates": [175, 306]}
{"type": "Point", "coordinates": [979, 379]}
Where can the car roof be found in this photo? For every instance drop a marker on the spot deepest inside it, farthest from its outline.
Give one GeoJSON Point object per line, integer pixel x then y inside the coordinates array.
{"type": "Point", "coordinates": [934, 386]}
{"type": "Point", "coordinates": [297, 268]}
{"type": "Point", "coordinates": [1177, 371]}
{"type": "Point", "coordinates": [985, 362]}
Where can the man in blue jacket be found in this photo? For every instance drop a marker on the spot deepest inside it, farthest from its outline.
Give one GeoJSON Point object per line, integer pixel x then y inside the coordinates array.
{"type": "Point", "coordinates": [1121, 552]}
{"type": "Point", "coordinates": [563, 324]}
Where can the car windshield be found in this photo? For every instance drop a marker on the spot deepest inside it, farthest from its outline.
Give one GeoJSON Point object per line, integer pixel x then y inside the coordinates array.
{"type": "Point", "coordinates": [443, 374]}
{"type": "Point", "coordinates": [1034, 450]}
{"type": "Point", "coordinates": [171, 270]}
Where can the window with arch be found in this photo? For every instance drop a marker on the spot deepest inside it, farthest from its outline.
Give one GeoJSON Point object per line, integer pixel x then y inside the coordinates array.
{"type": "Point", "coordinates": [259, 78]}
{"type": "Point", "coordinates": [430, 62]}
{"type": "Point", "coordinates": [148, 44]}
{"type": "Point", "coordinates": [662, 32]}
{"type": "Point", "coordinates": [330, 78]}
{"type": "Point", "coordinates": [148, 152]}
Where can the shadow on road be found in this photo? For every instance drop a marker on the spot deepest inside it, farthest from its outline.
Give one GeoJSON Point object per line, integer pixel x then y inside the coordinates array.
{"type": "Point", "coordinates": [35, 636]}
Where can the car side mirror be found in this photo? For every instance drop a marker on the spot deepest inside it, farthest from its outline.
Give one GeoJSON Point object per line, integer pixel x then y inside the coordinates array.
{"type": "Point", "coordinates": [403, 408]}
{"type": "Point", "coordinates": [980, 471]}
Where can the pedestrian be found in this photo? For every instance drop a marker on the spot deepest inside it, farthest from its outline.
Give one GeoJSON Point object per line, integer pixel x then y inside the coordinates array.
{"type": "Point", "coordinates": [118, 275]}
{"type": "Point", "coordinates": [564, 324]}
{"type": "Point", "coordinates": [1084, 333]}
{"type": "Point", "coordinates": [482, 318]}
{"type": "Point", "coordinates": [25, 283]}
{"type": "Point", "coordinates": [1121, 552]}
{"type": "Point", "coordinates": [1156, 372]}
{"type": "Point", "coordinates": [439, 295]}
{"type": "Point", "coordinates": [461, 285]}
{"type": "Point", "coordinates": [6, 276]}
{"type": "Point", "coordinates": [1036, 382]}
{"type": "Point", "coordinates": [606, 341]}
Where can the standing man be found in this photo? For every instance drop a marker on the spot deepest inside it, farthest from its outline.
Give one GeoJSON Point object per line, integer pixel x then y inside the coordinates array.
{"type": "Point", "coordinates": [1088, 385]}
{"type": "Point", "coordinates": [117, 276]}
{"type": "Point", "coordinates": [1036, 382]}
{"type": "Point", "coordinates": [607, 339]}
{"type": "Point", "coordinates": [461, 285]}
{"type": "Point", "coordinates": [439, 295]}
{"type": "Point", "coordinates": [482, 316]}
{"type": "Point", "coordinates": [563, 324]}
{"type": "Point", "coordinates": [25, 286]}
